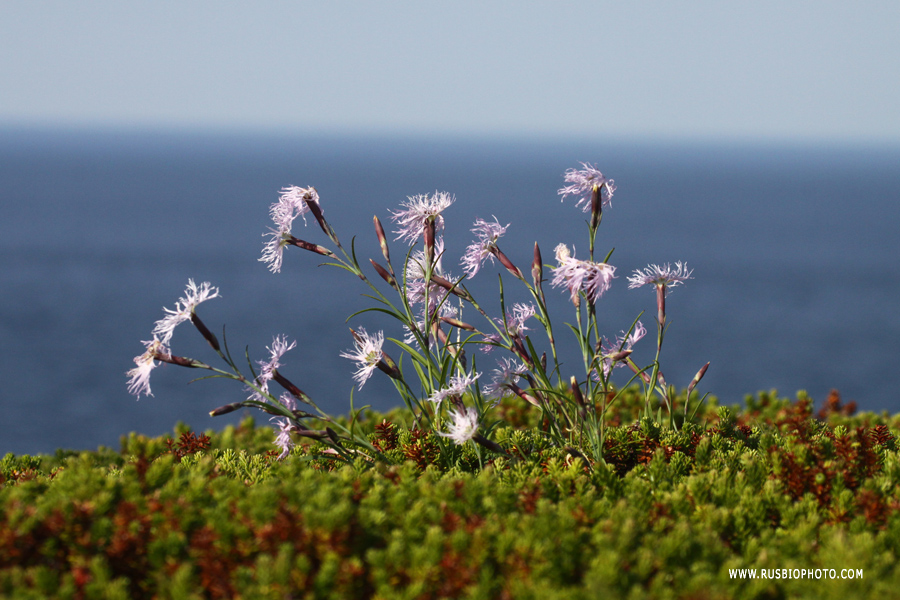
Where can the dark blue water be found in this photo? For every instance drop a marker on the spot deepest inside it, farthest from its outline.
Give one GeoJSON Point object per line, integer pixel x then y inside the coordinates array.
{"type": "Point", "coordinates": [794, 251]}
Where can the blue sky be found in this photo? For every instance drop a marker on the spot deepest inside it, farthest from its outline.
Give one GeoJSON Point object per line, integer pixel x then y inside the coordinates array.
{"type": "Point", "coordinates": [784, 70]}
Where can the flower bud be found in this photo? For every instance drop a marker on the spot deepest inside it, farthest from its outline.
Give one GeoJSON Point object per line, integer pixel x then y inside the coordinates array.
{"type": "Point", "coordinates": [576, 391]}
{"type": "Point", "coordinates": [697, 378]}
{"type": "Point", "coordinates": [457, 323]}
{"type": "Point", "coordinates": [382, 240]}
{"type": "Point", "coordinates": [316, 210]}
{"type": "Point", "coordinates": [429, 242]}
{"type": "Point", "coordinates": [537, 267]}
{"type": "Point", "coordinates": [596, 207]}
{"type": "Point", "coordinates": [387, 366]}
{"type": "Point", "coordinates": [504, 260]}
{"type": "Point", "coordinates": [181, 361]}
{"type": "Point", "coordinates": [228, 408]}
{"type": "Point", "coordinates": [453, 289]}
{"type": "Point", "coordinates": [621, 355]}
{"type": "Point", "coordinates": [523, 395]}
{"type": "Point", "coordinates": [290, 387]}
{"type": "Point", "coordinates": [309, 246]}
{"type": "Point", "coordinates": [385, 275]}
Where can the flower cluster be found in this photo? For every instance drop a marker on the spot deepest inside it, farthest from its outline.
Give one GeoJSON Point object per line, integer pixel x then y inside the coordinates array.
{"type": "Point", "coordinates": [449, 399]}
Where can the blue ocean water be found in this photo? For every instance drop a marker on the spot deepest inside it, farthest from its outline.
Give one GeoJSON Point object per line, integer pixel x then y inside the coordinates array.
{"type": "Point", "coordinates": [794, 251]}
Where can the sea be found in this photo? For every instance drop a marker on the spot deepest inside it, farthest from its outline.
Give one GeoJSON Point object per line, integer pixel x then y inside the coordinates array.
{"type": "Point", "coordinates": [793, 248]}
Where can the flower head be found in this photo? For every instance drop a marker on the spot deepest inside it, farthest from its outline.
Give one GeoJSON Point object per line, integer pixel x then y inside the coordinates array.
{"type": "Point", "coordinates": [367, 354]}
{"type": "Point", "coordinates": [463, 425]}
{"type": "Point", "coordinates": [267, 368]}
{"type": "Point", "coordinates": [581, 275]}
{"type": "Point", "coordinates": [658, 276]}
{"type": "Point", "coordinates": [457, 387]}
{"type": "Point", "coordinates": [507, 375]}
{"type": "Point", "coordinates": [622, 343]}
{"type": "Point", "coordinates": [583, 183]}
{"type": "Point", "coordinates": [283, 439]}
{"type": "Point", "coordinates": [276, 351]}
{"type": "Point", "coordinates": [515, 321]}
{"type": "Point", "coordinates": [139, 377]}
{"type": "Point", "coordinates": [194, 295]}
{"type": "Point", "coordinates": [482, 249]}
{"type": "Point", "coordinates": [418, 211]}
{"type": "Point", "coordinates": [291, 204]}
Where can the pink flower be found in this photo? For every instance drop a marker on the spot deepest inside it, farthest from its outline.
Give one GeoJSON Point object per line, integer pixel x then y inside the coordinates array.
{"type": "Point", "coordinates": [267, 368]}
{"type": "Point", "coordinates": [583, 182]}
{"type": "Point", "coordinates": [457, 387]}
{"type": "Point", "coordinates": [482, 249]}
{"type": "Point", "coordinates": [416, 290]}
{"type": "Point", "coordinates": [283, 439]}
{"type": "Point", "coordinates": [463, 425]}
{"type": "Point", "coordinates": [194, 295]}
{"type": "Point", "coordinates": [664, 276]}
{"type": "Point", "coordinates": [506, 376]}
{"type": "Point", "coordinates": [291, 204]}
{"type": "Point", "coordinates": [418, 211]}
{"type": "Point", "coordinates": [367, 354]}
{"type": "Point", "coordinates": [139, 377]}
{"type": "Point", "coordinates": [515, 322]}
{"type": "Point", "coordinates": [581, 275]}
{"type": "Point", "coordinates": [276, 351]}
{"type": "Point", "coordinates": [623, 343]}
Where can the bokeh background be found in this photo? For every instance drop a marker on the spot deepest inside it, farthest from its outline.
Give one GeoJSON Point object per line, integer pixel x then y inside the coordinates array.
{"type": "Point", "coordinates": [142, 143]}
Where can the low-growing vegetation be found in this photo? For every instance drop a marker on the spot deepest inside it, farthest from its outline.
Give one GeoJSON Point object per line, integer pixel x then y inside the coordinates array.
{"type": "Point", "coordinates": [775, 485]}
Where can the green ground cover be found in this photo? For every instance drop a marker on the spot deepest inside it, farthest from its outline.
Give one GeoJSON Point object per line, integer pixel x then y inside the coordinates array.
{"type": "Point", "coordinates": [773, 485]}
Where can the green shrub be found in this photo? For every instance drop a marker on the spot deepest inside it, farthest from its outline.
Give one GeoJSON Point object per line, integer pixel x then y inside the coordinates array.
{"type": "Point", "coordinates": [667, 515]}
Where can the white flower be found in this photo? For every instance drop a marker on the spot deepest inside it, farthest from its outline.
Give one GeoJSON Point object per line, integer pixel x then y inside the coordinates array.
{"type": "Point", "coordinates": [457, 387]}
{"type": "Point", "coordinates": [194, 295]}
{"type": "Point", "coordinates": [367, 354]}
{"type": "Point", "coordinates": [139, 377]}
{"type": "Point", "coordinates": [463, 425]}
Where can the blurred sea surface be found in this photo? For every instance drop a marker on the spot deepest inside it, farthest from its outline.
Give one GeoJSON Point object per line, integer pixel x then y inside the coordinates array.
{"type": "Point", "coordinates": [794, 250]}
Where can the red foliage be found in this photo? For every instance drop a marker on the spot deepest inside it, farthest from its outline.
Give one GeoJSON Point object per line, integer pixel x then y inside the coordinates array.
{"type": "Point", "coordinates": [386, 436]}
{"type": "Point", "coordinates": [421, 449]}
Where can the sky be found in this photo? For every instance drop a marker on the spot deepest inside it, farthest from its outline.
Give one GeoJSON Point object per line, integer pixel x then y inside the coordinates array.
{"type": "Point", "coordinates": [772, 70]}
